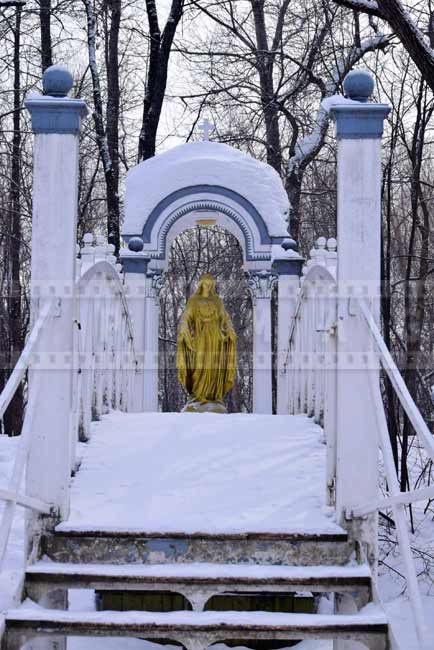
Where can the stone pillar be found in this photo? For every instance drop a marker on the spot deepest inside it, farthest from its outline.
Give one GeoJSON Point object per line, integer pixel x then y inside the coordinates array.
{"type": "Point", "coordinates": [261, 285]}
{"type": "Point", "coordinates": [359, 127]}
{"type": "Point", "coordinates": [135, 266]}
{"type": "Point", "coordinates": [56, 122]}
{"type": "Point", "coordinates": [154, 282]}
{"type": "Point", "coordinates": [288, 267]}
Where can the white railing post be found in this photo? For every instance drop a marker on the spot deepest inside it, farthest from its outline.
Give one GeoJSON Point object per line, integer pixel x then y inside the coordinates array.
{"type": "Point", "coordinates": [287, 264]}
{"type": "Point", "coordinates": [154, 283]}
{"type": "Point", "coordinates": [56, 122]}
{"type": "Point", "coordinates": [261, 285]}
{"type": "Point", "coordinates": [135, 266]}
{"type": "Point", "coordinates": [359, 127]}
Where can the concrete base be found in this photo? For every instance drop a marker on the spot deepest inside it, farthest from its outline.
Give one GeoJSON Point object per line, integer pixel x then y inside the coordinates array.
{"type": "Point", "coordinates": [194, 406]}
{"type": "Point", "coordinates": [145, 548]}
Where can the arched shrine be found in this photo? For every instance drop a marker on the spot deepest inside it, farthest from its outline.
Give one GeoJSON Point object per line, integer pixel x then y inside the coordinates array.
{"type": "Point", "coordinates": [207, 184]}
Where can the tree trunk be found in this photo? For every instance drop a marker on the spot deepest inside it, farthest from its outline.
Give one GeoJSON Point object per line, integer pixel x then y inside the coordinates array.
{"type": "Point", "coordinates": [160, 49]}
{"type": "Point", "coordinates": [265, 65]}
{"type": "Point", "coordinates": [14, 414]}
{"type": "Point", "coordinates": [112, 196]}
{"type": "Point", "coordinates": [416, 272]}
{"type": "Point", "coordinates": [112, 128]}
{"type": "Point", "coordinates": [45, 21]}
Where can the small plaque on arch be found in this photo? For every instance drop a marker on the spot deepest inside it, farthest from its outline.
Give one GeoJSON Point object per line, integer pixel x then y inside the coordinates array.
{"type": "Point", "coordinates": [206, 223]}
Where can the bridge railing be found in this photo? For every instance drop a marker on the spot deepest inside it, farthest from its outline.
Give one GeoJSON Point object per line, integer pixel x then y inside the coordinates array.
{"type": "Point", "coordinates": [397, 500]}
{"type": "Point", "coordinates": [106, 360]}
{"type": "Point", "coordinates": [12, 496]}
{"type": "Point", "coordinates": [104, 368]}
{"type": "Point", "coordinates": [315, 363]}
{"type": "Point", "coordinates": [311, 359]}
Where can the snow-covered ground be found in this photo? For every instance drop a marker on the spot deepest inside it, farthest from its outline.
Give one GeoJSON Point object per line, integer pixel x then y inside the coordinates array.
{"type": "Point", "coordinates": [170, 472]}
{"type": "Point", "coordinates": [290, 471]}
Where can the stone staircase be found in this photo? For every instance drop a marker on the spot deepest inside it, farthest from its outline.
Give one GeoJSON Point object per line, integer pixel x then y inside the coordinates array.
{"type": "Point", "coordinates": [197, 566]}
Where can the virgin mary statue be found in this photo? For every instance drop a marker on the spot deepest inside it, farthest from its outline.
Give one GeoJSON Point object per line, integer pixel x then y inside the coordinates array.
{"type": "Point", "coordinates": [206, 356]}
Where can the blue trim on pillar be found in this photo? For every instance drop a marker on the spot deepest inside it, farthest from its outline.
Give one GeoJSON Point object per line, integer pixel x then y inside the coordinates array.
{"type": "Point", "coordinates": [56, 115]}
{"type": "Point", "coordinates": [201, 189]}
{"type": "Point", "coordinates": [132, 264]}
{"type": "Point", "coordinates": [289, 266]}
{"type": "Point", "coordinates": [359, 121]}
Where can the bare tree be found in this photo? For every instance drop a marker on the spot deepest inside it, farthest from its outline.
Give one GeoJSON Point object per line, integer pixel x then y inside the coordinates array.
{"type": "Point", "coordinates": [15, 411]}
{"type": "Point", "coordinates": [107, 133]}
{"type": "Point", "coordinates": [411, 34]}
{"type": "Point", "coordinates": [160, 46]}
{"type": "Point", "coordinates": [264, 67]}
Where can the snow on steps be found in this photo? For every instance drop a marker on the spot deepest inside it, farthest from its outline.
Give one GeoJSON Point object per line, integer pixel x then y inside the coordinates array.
{"type": "Point", "coordinates": [197, 629]}
{"type": "Point", "coordinates": [198, 582]}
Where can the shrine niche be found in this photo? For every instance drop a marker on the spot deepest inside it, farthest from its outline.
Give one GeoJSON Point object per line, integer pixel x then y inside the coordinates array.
{"type": "Point", "coordinates": [206, 358]}
{"type": "Point", "coordinates": [208, 183]}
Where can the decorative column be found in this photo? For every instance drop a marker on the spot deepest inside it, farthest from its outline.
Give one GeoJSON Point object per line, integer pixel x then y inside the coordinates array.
{"type": "Point", "coordinates": [359, 127]}
{"type": "Point", "coordinates": [135, 266]}
{"type": "Point", "coordinates": [261, 286]}
{"type": "Point", "coordinates": [287, 264]}
{"type": "Point", "coordinates": [56, 122]}
{"type": "Point", "coordinates": [154, 283]}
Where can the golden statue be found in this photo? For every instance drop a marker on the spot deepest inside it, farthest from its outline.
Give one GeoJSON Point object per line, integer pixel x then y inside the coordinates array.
{"type": "Point", "coordinates": [206, 356]}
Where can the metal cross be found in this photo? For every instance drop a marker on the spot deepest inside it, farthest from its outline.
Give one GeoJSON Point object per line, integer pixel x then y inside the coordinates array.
{"type": "Point", "coordinates": [206, 128]}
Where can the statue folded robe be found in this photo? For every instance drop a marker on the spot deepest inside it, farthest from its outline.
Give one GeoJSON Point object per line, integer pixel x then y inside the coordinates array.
{"type": "Point", "coordinates": [206, 355]}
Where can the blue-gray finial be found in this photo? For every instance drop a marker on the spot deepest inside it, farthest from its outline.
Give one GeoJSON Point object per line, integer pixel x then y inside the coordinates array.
{"type": "Point", "coordinates": [136, 244]}
{"type": "Point", "coordinates": [289, 244]}
{"type": "Point", "coordinates": [358, 85]}
{"type": "Point", "coordinates": [57, 81]}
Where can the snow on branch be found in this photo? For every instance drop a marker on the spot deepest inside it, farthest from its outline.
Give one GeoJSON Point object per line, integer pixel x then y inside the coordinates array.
{"type": "Point", "coordinates": [412, 37]}
{"type": "Point", "coordinates": [370, 7]}
{"type": "Point", "coordinates": [307, 148]}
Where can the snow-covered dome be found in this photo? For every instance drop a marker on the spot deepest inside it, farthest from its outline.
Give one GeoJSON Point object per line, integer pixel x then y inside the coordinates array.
{"type": "Point", "coordinates": [204, 164]}
{"type": "Point", "coordinates": [205, 183]}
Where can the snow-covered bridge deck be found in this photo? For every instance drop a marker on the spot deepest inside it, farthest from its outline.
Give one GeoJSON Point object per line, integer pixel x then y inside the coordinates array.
{"type": "Point", "coordinates": [207, 473]}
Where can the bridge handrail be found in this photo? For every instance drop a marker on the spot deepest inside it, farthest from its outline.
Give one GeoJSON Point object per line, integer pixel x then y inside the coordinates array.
{"type": "Point", "coordinates": [314, 382]}
{"type": "Point", "coordinates": [22, 364]}
{"type": "Point", "coordinates": [111, 332]}
{"type": "Point", "coordinates": [102, 266]}
{"type": "Point", "coordinates": [398, 383]}
{"type": "Point", "coordinates": [312, 349]}
{"type": "Point", "coordinates": [109, 335]}
{"type": "Point", "coordinates": [397, 499]}
{"type": "Point", "coordinates": [11, 495]}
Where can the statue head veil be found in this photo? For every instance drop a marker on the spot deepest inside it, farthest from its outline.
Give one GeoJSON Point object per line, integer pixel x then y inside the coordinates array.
{"type": "Point", "coordinates": [207, 276]}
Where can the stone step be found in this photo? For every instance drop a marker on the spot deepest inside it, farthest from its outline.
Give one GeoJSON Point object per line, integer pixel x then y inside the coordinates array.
{"type": "Point", "coordinates": [198, 582]}
{"type": "Point", "coordinates": [196, 630]}
{"type": "Point", "coordinates": [137, 547]}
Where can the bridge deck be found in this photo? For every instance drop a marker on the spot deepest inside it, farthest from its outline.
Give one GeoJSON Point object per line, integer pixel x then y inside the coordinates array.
{"type": "Point", "coordinates": [207, 473]}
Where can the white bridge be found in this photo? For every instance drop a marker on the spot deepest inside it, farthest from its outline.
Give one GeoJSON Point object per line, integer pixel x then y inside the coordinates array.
{"type": "Point", "coordinates": [203, 505]}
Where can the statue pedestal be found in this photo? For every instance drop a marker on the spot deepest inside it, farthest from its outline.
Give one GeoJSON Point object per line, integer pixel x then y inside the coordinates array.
{"type": "Point", "coordinates": [204, 407]}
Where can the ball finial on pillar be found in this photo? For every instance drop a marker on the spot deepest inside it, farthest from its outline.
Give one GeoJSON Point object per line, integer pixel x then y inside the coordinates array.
{"type": "Point", "coordinates": [135, 244]}
{"type": "Point", "coordinates": [289, 244]}
{"type": "Point", "coordinates": [359, 85]}
{"type": "Point", "coordinates": [57, 81]}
